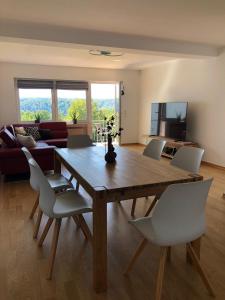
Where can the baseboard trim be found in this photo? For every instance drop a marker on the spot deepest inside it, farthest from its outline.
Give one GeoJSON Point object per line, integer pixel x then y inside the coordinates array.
{"type": "Point", "coordinates": [206, 163]}
{"type": "Point", "coordinates": [131, 144]}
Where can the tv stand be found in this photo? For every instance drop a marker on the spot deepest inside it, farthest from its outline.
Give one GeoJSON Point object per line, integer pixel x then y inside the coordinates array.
{"type": "Point", "coordinates": [172, 145]}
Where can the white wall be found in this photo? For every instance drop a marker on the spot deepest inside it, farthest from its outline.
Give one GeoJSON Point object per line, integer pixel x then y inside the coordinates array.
{"type": "Point", "coordinates": [202, 84]}
{"type": "Point", "coordinates": [129, 102]}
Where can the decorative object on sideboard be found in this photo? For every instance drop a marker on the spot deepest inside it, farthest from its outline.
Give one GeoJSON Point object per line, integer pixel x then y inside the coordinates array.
{"type": "Point", "coordinates": [37, 118]}
{"type": "Point", "coordinates": [74, 117]}
{"type": "Point", "coordinates": [110, 132]}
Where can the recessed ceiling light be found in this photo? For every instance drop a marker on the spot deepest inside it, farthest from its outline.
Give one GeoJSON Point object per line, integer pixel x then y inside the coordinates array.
{"type": "Point", "coordinates": [105, 53]}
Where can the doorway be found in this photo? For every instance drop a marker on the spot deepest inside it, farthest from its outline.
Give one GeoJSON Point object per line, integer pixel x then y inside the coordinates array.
{"type": "Point", "coordinates": [105, 103]}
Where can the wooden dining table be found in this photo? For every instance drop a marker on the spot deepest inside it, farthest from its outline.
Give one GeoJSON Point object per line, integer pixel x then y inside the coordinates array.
{"type": "Point", "coordinates": [131, 176]}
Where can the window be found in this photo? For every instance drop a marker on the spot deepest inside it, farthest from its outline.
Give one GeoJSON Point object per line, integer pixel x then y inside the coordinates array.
{"type": "Point", "coordinates": [52, 100]}
{"type": "Point", "coordinates": [72, 102]}
{"type": "Point", "coordinates": [33, 102]}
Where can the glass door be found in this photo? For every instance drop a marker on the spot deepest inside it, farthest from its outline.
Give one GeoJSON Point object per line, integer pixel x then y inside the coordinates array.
{"type": "Point", "coordinates": [105, 103]}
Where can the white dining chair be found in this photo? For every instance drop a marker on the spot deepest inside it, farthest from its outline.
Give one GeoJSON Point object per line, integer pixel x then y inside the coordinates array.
{"type": "Point", "coordinates": [78, 141]}
{"type": "Point", "coordinates": [177, 218]}
{"type": "Point", "coordinates": [57, 182]}
{"type": "Point", "coordinates": [56, 207]}
{"type": "Point", "coordinates": [153, 150]}
{"type": "Point", "coordinates": [186, 158]}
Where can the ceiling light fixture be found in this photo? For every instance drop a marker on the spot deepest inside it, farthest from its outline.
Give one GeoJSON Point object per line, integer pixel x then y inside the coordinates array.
{"type": "Point", "coordinates": [105, 53]}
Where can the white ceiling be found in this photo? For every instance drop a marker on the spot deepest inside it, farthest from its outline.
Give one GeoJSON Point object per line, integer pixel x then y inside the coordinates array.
{"type": "Point", "coordinates": [62, 55]}
{"type": "Point", "coordinates": [189, 20]}
{"type": "Point", "coordinates": [147, 31]}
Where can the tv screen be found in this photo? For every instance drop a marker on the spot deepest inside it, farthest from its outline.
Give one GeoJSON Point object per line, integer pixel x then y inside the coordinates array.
{"type": "Point", "coordinates": [169, 120]}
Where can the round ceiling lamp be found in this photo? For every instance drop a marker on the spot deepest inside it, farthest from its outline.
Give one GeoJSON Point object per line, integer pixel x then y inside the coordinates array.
{"type": "Point", "coordinates": [105, 53]}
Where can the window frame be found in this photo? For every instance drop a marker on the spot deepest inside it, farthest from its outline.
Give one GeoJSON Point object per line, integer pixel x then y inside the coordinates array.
{"type": "Point", "coordinates": [54, 98]}
{"type": "Point", "coordinates": [70, 122]}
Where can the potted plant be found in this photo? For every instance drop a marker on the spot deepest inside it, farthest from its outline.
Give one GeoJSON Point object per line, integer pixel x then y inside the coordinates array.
{"type": "Point", "coordinates": [179, 117]}
{"type": "Point", "coordinates": [37, 118]}
{"type": "Point", "coordinates": [74, 117]}
{"type": "Point", "coordinates": [110, 132]}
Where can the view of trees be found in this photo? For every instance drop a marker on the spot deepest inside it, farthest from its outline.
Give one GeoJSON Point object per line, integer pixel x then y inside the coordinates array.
{"type": "Point", "coordinates": [66, 107]}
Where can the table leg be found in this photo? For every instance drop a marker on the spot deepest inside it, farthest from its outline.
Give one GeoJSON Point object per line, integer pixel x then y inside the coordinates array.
{"type": "Point", "coordinates": [57, 164]}
{"type": "Point", "coordinates": [196, 245]}
{"type": "Point", "coordinates": [100, 245]}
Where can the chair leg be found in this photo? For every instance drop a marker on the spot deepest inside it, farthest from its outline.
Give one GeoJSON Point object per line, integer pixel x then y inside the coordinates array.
{"type": "Point", "coordinates": [34, 207]}
{"type": "Point", "coordinates": [76, 221]}
{"type": "Point", "coordinates": [54, 247]}
{"type": "Point", "coordinates": [85, 229]}
{"type": "Point", "coordinates": [169, 254]}
{"type": "Point", "coordinates": [38, 222]}
{"type": "Point", "coordinates": [133, 207]}
{"type": "Point", "coordinates": [159, 283]}
{"type": "Point", "coordinates": [151, 206]}
{"type": "Point", "coordinates": [200, 270]}
{"type": "Point", "coordinates": [77, 186]}
{"type": "Point", "coordinates": [137, 253]}
{"type": "Point", "coordinates": [45, 232]}
{"type": "Point", "coordinates": [71, 178]}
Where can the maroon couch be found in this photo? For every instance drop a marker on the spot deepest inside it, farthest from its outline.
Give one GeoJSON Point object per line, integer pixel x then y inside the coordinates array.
{"type": "Point", "coordinates": [13, 161]}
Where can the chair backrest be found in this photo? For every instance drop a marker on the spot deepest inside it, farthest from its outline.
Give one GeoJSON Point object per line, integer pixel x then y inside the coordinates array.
{"type": "Point", "coordinates": [154, 148]}
{"type": "Point", "coordinates": [188, 158]}
{"type": "Point", "coordinates": [47, 195]}
{"type": "Point", "coordinates": [27, 153]}
{"type": "Point", "coordinates": [79, 141]}
{"type": "Point", "coordinates": [33, 181]}
{"type": "Point", "coordinates": [179, 215]}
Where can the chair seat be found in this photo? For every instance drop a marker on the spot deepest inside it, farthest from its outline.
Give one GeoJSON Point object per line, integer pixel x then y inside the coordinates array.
{"type": "Point", "coordinates": [58, 182]}
{"type": "Point", "coordinates": [70, 203]}
{"type": "Point", "coordinates": [161, 235]}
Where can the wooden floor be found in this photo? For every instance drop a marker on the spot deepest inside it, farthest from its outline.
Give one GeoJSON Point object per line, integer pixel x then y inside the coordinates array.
{"type": "Point", "coordinates": [23, 265]}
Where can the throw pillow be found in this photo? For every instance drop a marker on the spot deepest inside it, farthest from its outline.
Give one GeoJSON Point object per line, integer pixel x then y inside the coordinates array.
{"type": "Point", "coordinates": [20, 130]}
{"type": "Point", "coordinates": [8, 139]}
{"type": "Point", "coordinates": [45, 134]}
{"type": "Point", "coordinates": [33, 131]}
{"type": "Point", "coordinates": [26, 141]}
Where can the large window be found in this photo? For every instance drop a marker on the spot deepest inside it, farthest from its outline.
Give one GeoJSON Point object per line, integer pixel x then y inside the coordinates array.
{"type": "Point", "coordinates": [33, 102]}
{"type": "Point", "coordinates": [72, 103]}
{"type": "Point", "coordinates": [52, 100]}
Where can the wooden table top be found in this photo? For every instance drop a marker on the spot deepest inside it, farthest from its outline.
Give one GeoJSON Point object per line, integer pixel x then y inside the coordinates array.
{"type": "Point", "coordinates": [130, 170]}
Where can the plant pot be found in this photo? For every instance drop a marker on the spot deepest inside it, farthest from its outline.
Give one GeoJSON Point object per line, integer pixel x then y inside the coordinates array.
{"type": "Point", "coordinates": [75, 121]}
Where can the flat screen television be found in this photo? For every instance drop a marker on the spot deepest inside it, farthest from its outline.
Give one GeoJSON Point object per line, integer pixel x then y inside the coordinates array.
{"type": "Point", "coordinates": [169, 120]}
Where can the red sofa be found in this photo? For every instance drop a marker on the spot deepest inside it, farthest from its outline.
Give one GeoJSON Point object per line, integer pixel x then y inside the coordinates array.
{"type": "Point", "coordinates": [13, 161]}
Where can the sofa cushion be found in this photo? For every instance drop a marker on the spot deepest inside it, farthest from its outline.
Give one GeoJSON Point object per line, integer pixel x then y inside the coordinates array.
{"type": "Point", "coordinates": [20, 130]}
{"type": "Point", "coordinates": [58, 129]}
{"type": "Point", "coordinates": [60, 143]}
{"type": "Point", "coordinates": [8, 138]}
{"type": "Point", "coordinates": [59, 134]}
{"type": "Point", "coordinates": [33, 131]}
{"type": "Point", "coordinates": [45, 134]}
{"type": "Point", "coordinates": [26, 141]}
{"type": "Point", "coordinates": [11, 129]}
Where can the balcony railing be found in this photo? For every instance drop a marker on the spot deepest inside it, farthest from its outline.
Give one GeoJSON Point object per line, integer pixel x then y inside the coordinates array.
{"type": "Point", "coordinates": [99, 124]}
